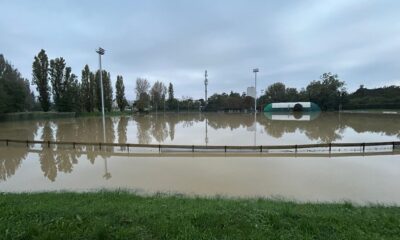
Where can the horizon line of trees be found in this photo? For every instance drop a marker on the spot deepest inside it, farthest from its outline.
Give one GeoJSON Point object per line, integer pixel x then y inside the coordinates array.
{"type": "Point", "coordinates": [59, 89]}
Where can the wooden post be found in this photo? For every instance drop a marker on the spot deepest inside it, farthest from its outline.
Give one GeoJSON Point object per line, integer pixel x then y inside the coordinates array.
{"type": "Point", "coordinates": [48, 144]}
{"type": "Point", "coordinates": [393, 146]}
{"type": "Point", "coordinates": [27, 143]}
{"type": "Point", "coordinates": [73, 145]}
{"type": "Point", "coordinates": [363, 146]}
{"type": "Point", "coordinates": [159, 147]}
{"type": "Point", "coordinates": [225, 148]}
{"type": "Point", "coordinates": [260, 148]}
{"type": "Point", "coordinates": [192, 148]}
{"type": "Point", "coordinates": [330, 147]}
{"type": "Point", "coordinates": [100, 145]}
{"type": "Point", "coordinates": [295, 148]}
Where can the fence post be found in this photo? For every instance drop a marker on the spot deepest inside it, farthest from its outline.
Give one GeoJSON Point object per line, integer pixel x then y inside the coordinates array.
{"type": "Point", "coordinates": [73, 145]}
{"type": "Point", "coordinates": [330, 147]}
{"type": "Point", "coordinates": [225, 148]}
{"type": "Point", "coordinates": [48, 144]}
{"type": "Point", "coordinates": [100, 145]}
{"type": "Point", "coordinates": [159, 147]}
{"type": "Point", "coordinates": [192, 148]}
{"type": "Point", "coordinates": [27, 143]}
{"type": "Point", "coordinates": [393, 146]}
{"type": "Point", "coordinates": [295, 148]}
{"type": "Point", "coordinates": [363, 146]}
{"type": "Point", "coordinates": [260, 148]}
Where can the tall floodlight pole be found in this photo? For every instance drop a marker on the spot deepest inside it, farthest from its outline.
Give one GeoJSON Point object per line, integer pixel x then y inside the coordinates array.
{"type": "Point", "coordinates": [255, 71]}
{"type": "Point", "coordinates": [205, 87]}
{"type": "Point", "coordinates": [101, 51]}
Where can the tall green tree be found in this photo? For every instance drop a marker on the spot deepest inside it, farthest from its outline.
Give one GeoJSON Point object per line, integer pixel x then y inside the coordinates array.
{"type": "Point", "coordinates": [15, 94]}
{"type": "Point", "coordinates": [276, 92]}
{"type": "Point", "coordinates": [40, 79]}
{"type": "Point", "coordinates": [65, 86]}
{"type": "Point", "coordinates": [327, 92]}
{"type": "Point", "coordinates": [142, 94]}
{"type": "Point", "coordinates": [57, 76]}
{"type": "Point", "coordinates": [120, 93]}
{"type": "Point", "coordinates": [157, 94]}
{"type": "Point", "coordinates": [170, 92]}
{"type": "Point", "coordinates": [86, 92]}
{"type": "Point", "coordinates": [107, 88]}
{"type": "Point", "coordinates": [171, 99]}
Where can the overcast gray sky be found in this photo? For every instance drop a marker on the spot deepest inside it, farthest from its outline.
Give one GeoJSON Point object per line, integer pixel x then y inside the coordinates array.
{"type": "Point", "coordinates": [175, 41]}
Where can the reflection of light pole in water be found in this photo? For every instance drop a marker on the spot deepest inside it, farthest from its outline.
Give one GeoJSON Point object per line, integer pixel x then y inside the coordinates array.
{"type": "Point", "coordinates": [101, 51]}
{"type": "Point", "coordinates": [255, 71]}
{"type": "Point", "coordinates": [206, 140]}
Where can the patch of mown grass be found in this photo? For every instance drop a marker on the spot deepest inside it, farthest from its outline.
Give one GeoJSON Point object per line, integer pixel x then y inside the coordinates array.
{"type": "Point", "coordinates": [123, 215]}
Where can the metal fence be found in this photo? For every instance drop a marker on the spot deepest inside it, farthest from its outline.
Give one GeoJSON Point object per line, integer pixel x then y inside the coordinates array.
{"type": "Point", "coordinates": [308, 148]}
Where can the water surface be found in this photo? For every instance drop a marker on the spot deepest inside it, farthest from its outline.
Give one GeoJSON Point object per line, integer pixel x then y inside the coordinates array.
{"type": "Point", "coordinates": [357, 178]}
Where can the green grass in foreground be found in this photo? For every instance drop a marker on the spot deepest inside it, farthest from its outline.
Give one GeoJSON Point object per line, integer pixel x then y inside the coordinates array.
{"type": "Point", "coordinates": [121, 215]}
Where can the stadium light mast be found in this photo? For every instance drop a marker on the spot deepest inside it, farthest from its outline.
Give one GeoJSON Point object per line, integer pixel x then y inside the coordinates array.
{"type": "Point", "coordinates": [101, 51]}
{"type": "Point", "coordinates": [255, 71]}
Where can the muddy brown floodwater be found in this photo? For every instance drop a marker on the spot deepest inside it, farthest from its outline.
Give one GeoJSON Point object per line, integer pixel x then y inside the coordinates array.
{"type": "Point", "coordinates": [361, 179]}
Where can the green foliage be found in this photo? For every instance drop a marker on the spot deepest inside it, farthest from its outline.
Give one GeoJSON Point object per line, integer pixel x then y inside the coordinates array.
{"type": "Point", "coordinates": [171, 102]}
{"type": "Point", "coordinates": [15, 95]}
{"type": "Point", "coordinates": [107, 88]}
{"type": "Point", "coordinates": [158, 92]}
{"type": "Point", "coordinates": [142, 94]}
{"type": "Point", "coordinates": [232, 101]}
{"type": "Point", "coordinates": [120, 94]}
{"type": "Point", "coordinates": [379, 98]}
{"type": "Point", "coordinates": [65, 87]}
{"type": "Point", "coordinates": [86, 90]}
{"type": "Point", "coordinates": [328, 93]}
{"type": "Point", "coordinates": [40, 79]}
{"type": "Point", "coordinates": [121, 215]}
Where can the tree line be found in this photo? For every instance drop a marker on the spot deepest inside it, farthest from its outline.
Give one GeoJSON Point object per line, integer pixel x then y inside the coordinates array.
{"type": "Point", "coordinates": [55, 79]}
{"type": "Point", "coordinates": [159, 97]}
{"type": "Point", "coordinates": [60, 90]}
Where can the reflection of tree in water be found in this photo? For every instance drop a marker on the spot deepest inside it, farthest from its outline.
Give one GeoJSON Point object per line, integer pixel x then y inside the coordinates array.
{"type": "Point", "coordinates": [67, 130]}
{"type": "Point", "coordinates": [325, 128]}
{"type": "Point", "coordinates": [159, 129]}
{"type": "Point", "coordinates": [47, 158]}
{"type": "Point", "coordinates": [231, 121]}
{"type": "Point", "coordinates": [143, 128]}
{"type": "Point", "coordinates": [21, 130]}
{"type": "Point", "coordinates": [376, 123]}
{"type": "Point", "coordinates": [11, 157]}
{"type": "Point", "coordinates": [122, 125]}
{"type": "Point", "coordinates": [10, 160]}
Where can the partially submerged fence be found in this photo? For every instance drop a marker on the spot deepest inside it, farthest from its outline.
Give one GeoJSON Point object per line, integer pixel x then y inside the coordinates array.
{"type": "Point", "coordinates": [320, 147]}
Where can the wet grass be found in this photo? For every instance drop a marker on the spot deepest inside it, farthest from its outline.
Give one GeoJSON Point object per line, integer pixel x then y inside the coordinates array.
{"type": "Point", "coordinates": [122, 215]}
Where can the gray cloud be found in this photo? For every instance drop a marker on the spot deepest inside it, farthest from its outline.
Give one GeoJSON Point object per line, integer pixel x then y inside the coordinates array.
{"type": "Point", "coordinates": [175, 41]}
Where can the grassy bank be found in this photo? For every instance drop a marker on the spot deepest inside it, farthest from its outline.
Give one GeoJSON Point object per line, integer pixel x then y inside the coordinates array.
{"type": "Point", "coordinates": [120, 215]}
